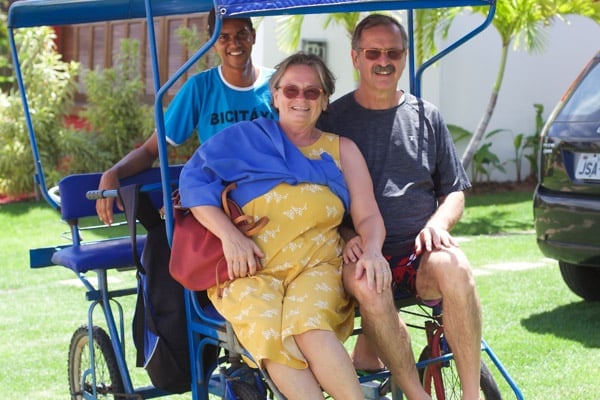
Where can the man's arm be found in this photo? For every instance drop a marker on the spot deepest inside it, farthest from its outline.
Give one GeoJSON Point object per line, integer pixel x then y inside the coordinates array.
{"type": "Point", "coordinates": [135, 161]}
{"type": "Point", "coordinates": [436, 233]}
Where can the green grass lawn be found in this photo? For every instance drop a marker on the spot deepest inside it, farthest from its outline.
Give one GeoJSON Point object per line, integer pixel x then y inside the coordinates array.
{"type": "Point", "coordinates": [545, 336]}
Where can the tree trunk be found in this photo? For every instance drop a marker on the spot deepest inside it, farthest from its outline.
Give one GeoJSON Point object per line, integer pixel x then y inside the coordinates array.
{"type": "Point", "coordinates": [475, 141]}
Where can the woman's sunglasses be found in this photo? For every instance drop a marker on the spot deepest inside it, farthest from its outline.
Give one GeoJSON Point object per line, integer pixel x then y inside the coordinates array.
{"type": "Point", "coordinates": [374, 54]}
{"type": "Point", "coordinates": [293, 91]}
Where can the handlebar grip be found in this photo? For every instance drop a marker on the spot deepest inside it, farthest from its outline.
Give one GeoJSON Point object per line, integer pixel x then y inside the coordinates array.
{"type": "Point", "coordinates": [100, 194]}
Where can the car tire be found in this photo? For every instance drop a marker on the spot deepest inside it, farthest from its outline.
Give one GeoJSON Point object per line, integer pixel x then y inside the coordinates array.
{"type": "Point", "coordinates": [583, 281]}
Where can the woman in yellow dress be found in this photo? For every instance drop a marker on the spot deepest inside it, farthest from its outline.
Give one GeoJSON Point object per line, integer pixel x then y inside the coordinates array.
{"type": "Point", "coordinates": [289, 310]}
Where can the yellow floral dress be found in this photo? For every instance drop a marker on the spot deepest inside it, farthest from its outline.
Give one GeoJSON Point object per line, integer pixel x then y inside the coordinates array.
{"type": "Point", "coordinates": [299, 287]}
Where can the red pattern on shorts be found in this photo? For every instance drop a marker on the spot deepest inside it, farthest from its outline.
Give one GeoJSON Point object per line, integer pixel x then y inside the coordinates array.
{"type": "Point", "coordinates": [404, 273]}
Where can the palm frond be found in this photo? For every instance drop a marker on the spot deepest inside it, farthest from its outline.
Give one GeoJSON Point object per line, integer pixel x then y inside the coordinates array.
{"type": "Point", "coordinates": [287, 29]}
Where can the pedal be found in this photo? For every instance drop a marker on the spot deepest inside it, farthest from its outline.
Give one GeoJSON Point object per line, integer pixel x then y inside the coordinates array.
{"type": "Point", "coordinates": [371, 390]}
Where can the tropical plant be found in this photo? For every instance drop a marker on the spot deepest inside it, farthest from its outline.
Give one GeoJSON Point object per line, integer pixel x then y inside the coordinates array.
{"type": "Point", "coordinates": [114, 110]}
{"type": "Point", "coordinates": [525, 147]}
{"type": "Point", "coordinates": [289, 27]}
{"type": "Point", "coordinates": [521, 23]}
{"type": "Point", "coordinates": [191, 41]}
{"type": "Point", "coordinates": [533, 141]}
{"type": "Point", "coordinates": [523, 142]}
{"type": "Point", "coordinates": [485, 161]}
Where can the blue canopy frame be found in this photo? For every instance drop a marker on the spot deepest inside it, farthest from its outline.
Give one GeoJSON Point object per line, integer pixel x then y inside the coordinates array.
{"type": "Point", "coordinates": [31, 13]}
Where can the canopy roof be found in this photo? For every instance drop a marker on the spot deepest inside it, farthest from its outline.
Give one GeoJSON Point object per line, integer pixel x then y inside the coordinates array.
{"type": "Point", "coordinates": [29, 13]}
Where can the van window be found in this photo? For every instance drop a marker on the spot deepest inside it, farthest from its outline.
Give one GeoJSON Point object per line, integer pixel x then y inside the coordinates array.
{"type": "Point", "coordinates": [584, 104]}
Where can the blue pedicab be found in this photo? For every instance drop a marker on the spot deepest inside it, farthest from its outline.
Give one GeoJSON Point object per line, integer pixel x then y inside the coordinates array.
{"type": "Point", "coordinates": [97, 362]}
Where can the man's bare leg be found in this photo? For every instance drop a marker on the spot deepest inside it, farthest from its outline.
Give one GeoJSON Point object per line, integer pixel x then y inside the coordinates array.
{"type": "Point", "coordinates": [364, 355]}
{"type": "Point", "coordinates": [447, 274]}
{"type": "Point", "coordinates": [387, 333]}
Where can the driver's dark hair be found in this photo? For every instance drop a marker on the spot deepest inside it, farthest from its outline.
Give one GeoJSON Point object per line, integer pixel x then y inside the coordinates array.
{"type": "Point", "coordinates": [376, 20]}
{"type": "Point", "coordinates": [212, 20]}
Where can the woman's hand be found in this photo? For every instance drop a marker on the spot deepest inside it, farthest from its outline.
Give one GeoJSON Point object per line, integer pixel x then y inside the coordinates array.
{"type": "Point", "coordinates": [370, 263]}
{"type": "Point", "coordinates": [352, 250]}
{"type": "Point", "coordinates": [240, 252]}
{"type": "Point", "coordinates": [242, 256]}
{"type": "Point", "coordinates": [376, 269]}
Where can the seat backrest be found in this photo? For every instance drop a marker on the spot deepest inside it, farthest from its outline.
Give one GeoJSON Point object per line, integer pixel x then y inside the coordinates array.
{"type": "Point", "coordinates": [73, 188]}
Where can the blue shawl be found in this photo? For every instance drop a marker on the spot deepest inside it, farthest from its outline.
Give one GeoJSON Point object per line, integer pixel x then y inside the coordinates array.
{"type": "Point", "coordinates": [258, 156]}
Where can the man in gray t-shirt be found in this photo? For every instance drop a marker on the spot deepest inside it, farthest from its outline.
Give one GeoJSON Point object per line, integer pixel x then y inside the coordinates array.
{"type": "Point", "coordinates": [418, 182]}
{"type": "Point", "coordinates": [412, 161]}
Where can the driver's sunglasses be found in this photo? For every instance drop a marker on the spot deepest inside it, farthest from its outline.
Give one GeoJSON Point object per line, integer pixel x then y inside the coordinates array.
{"type": "Point", "coordinates": [293, 91]}
{"type": "Point", "coordinates": [374, 53]}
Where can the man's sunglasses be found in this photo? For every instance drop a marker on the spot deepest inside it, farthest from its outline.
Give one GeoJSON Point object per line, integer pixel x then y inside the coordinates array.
{"type": "Point", "coordinates": [374, 54]}
{"type": "Point", "coordinates": [293, 91]}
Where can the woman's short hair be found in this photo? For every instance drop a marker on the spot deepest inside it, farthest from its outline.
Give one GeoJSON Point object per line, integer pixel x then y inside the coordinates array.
{"type": "Point", "coordinates": [326, 77]}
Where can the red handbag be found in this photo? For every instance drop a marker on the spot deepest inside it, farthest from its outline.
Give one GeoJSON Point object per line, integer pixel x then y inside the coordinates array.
{"type": "Point", "coordinates": [197, 260]}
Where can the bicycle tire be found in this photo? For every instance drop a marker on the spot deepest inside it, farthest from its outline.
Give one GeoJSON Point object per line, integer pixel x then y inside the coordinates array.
{"type": "Point", "coordinates": [108, 379]}
{"type": "Point", "coordinates": [451, 382]}
{"type": "Point", "coordinates": [246, 391]}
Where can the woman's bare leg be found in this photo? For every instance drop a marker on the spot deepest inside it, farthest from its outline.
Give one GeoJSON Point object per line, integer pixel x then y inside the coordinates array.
{"type": "Point", "coordinates": [330, 363]}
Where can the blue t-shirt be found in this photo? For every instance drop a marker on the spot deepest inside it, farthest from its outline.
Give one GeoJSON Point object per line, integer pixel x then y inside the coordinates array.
{"type": "Point", "coordinates": [208, 103]}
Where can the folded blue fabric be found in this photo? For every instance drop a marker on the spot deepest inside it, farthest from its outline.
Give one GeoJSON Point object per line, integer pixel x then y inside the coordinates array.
{"type": "Point", "coordinates": [257, 155]}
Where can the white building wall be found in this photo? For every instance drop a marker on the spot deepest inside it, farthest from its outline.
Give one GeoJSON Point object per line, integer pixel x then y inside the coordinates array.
{"type": "Point", "coordinates": [467, 77]}
{"type": "Point", "coordinates": [461, 83]}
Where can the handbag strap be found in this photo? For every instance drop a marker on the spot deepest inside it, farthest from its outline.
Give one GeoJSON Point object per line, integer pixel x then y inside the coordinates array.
{"type": "Point", "coordinates": [245, 223]}
{"type": "Point", "coordinates": [129, 196]}
{"type": "Point", "coordinates": [225, 195]}
{"type": "Point", "coordinates": [248, 225]}
{"type": "Point", "coordinates": [138, 206]}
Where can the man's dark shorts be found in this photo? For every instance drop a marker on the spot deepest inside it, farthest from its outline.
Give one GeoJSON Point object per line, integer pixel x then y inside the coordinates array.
{"type": "Point", "coordinates": [404, 276]}
{"type": "Point", "coordinates": [404, 273]}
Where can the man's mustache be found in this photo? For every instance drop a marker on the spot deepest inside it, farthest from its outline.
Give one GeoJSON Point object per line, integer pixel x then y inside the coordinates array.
{"type": "Point", "coordinates": [387, 69]}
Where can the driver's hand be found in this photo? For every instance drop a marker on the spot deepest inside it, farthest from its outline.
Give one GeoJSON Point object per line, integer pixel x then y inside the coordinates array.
{"type": "Point", "coordinates": [104, 207]}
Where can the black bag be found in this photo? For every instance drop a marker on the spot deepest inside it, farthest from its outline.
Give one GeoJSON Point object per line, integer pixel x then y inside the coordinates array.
{"type": "Point", "coordinates": [159, 323]}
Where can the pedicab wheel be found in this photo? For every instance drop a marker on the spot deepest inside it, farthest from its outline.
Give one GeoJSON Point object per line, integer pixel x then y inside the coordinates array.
{"type": "Point", "coordinates": [451, 383]}
{"type": "Point", "coordinates": [108, 380]}
{"type": "Point", "coordinates": [246, 391]}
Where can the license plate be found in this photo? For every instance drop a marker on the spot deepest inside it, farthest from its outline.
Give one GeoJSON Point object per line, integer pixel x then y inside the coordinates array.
{"type": "Point", "coordinates": [587, 166]}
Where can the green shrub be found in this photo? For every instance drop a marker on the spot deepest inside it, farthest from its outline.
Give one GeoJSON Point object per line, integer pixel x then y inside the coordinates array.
{"type": "Point", "coordinates": [118, 117]}
{"type": "Point", "coordinates": [80, 152]}
{"type": "Point", "coordinates": [50, 87]}
{"type": "Point", "coordinates": [6, 75]}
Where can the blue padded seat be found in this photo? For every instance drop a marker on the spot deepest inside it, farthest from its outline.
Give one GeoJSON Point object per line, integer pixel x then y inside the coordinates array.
{"type": "Point", "coordinates": [103, 254]}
